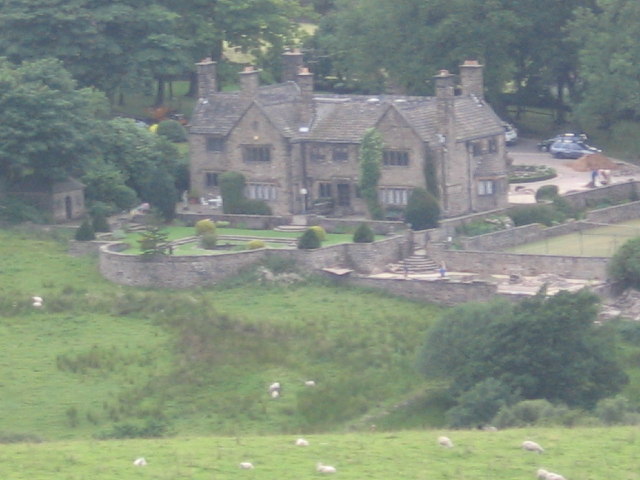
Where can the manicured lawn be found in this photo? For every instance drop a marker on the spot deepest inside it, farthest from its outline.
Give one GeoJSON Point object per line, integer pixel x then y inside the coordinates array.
{"type": "Point", "coordinates": [178, 232]}
{"type": "Point", "coordinates": [596, 242]}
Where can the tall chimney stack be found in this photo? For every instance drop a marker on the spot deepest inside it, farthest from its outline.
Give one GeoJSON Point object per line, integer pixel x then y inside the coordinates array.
{"type": "Point", "coordinates": [304, 79]}
{"type": "Point", "coordinates": [206, 76]}
{"type": "Point", "coordinates": [249, 81]}
{"type": "Point", "coordinates": [291, 62]}
{"type": "Point", "coordinates": [471, 79]}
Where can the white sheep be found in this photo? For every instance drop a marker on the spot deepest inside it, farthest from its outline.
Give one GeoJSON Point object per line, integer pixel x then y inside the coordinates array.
{"type": "Point", "coordinates": [310, 383]}
{"type": "Point", "coordinates": [37, 304]}
{"type": "Point", "coordinates": [37, 299]}
{"type": "Point", "coordinates": [325, 468]}
{"type": "Point", "coordinates": [301, 442]}
{"type": "Point", "coordinates": [274, 387]}
{"type": "Point", "coordinates": [543, 474]}
{"type": "Point", "coordinates": [246, 465]}
{"type": "Point", "coordinates": [532, 446]}
{"type": "Point", "coordinates": [275, 394]}
{"type": "Point", "coordinates": [140, 462]}
{"type": "Point", "coordinates": [445, 442]}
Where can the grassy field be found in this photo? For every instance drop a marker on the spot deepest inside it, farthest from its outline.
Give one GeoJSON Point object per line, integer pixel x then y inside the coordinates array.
{"type": "Point", "coordinates": [99, 356]}
{"type": "Point", "coordinates": [581, 453]}
{"type": "Point", "coordinates": [596, 242]}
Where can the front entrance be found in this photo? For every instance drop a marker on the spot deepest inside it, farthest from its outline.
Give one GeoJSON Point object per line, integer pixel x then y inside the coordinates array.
{"type": "Point", "coordinates": [344, 195]}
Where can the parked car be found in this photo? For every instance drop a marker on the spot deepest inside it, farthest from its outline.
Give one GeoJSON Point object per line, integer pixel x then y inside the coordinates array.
{"type": "Point", "coordinates": [510, 134]}
{"type": "Point", "coordinates": [571, 149]}
{"type": "Point", "coordinates": [544, 145]}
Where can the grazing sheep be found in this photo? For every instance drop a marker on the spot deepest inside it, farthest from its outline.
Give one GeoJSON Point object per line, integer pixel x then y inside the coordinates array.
{"type": "Point", "coordinates": [309, 383]}
{"type": "Point", "coordinates": [445, 442]}
{"type": "Point", "coordinates": [532, 446]}
{"type": "Point", "coordinates": [140, 462]}
{"type": "Point", "coordinates": [37, 299]}
{"type": "Point", "coordinates": [275, 387]}
{"type": "Point", "coordinates": [543, 474]}
{"type": "Point", "coordinates": [301, 442]}
{"type": "Point", "coordinates": [275, 394]}
{"type": "Point", "coordinates": [246, 465]}
{"type": "Point", "coordinates": [37, 304]}
{"type": "Point", "coordinates": [325, 468]}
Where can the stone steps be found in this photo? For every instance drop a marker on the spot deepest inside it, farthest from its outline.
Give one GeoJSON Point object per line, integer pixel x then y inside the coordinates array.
{"type": "Point", "coordinates": [419, 264]}
{"type": "Point", "coordinates": [291, 228]}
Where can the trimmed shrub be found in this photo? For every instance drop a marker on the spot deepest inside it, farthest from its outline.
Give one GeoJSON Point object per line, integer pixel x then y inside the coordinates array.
{"type": "Point", "coordinates": [255, 244]}
{"type": "Point", "coordinates": [546, 192]}
{"type": "Point", "coordinates": [320, 232]}
{"type": "Point", "coordinates": [528, 214]}
{"type": "Point", "coordinates": [363, 234]}
{"type": "Point", "coordinates": [172, 130]}
{"type": "Point", "coordinates": [231, 189]}
{"type": "Point", "coordinates": [222, 224]}
{"type": "Point", "coordinates": [100, 223]}
{"type": "Point", "coordinates": [209, 240]}
{"type": "Point", "coordinates": [85, 231]}
{"type": "Point", "coordinates": [309, 240]}
{"type": "Point", "coordinates": [422, 210]}
{"type": "Point", "coordinates": [205, 226]}
{"type": "Point", "coordinates": [254, 207]}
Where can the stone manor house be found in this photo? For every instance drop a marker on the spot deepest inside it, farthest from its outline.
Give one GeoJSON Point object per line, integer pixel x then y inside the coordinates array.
{"type": "Point", "coordinates": [298, 148]}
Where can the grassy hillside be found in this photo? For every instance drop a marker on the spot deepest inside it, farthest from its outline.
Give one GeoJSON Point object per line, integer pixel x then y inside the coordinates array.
{"type": "Point", "coordinates": [581, 453]}
{"type": "Point", "coordinates": [100, 359]}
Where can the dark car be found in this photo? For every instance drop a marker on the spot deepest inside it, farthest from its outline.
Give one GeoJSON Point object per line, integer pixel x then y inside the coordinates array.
{"type": "Point", "coordinates": [570, 149]}
{"type": "Point", "coordinates": [544, 145]}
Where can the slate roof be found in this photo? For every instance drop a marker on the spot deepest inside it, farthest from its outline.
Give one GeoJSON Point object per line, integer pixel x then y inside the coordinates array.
{"type": "Point", "coordinates": [341, 118]}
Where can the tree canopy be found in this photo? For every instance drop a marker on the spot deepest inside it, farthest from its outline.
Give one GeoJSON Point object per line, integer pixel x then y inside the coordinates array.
{"type": "Point", "coordinates": [544, 347]}
{"type": "Point", "coordinates": [48, 123]}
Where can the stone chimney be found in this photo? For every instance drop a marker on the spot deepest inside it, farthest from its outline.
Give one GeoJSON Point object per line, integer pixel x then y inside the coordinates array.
{"type": "Point", "coordinates": [471, 79]}
{"type": "Point", "coordinates": [444, 82]}
{"type": "Point", "coordinates": [249, 81]}
{"type": "Point", "coordinates": [206, 72]}
{"type": "Point", "coordinates": [291, 62]}
{"type": "Point", "coordinates": [304, 79]}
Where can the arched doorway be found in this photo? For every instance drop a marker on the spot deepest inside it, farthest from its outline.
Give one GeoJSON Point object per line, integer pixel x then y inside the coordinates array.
{"type": "Point", "coordinates": [68, 207]}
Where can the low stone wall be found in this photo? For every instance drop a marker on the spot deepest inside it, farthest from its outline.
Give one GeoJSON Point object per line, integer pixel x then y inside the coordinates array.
{"type": "Point", "coordinates": [588, 268]}
{"type": "Point", "coordinates": [448, 225]}
{"type": "Point", "coordinates": [173, 271]}
{"type": "Point", "coordinates": [341, 225]}
{"type": "Point", "coordinates": [77, 248]}
{"type": "Point", "coordinates": [445, 292]}
{"type": "Point", "coordinates": [615, 214]}
{"type": "Point", "coordinates": [252, 222]}
{"type": "Point", "coordinates": [618, 192]}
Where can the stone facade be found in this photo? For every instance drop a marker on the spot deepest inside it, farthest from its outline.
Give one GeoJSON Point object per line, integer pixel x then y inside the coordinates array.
{"type": "Point", "coordinates": [63, 200]}
{"type": "Point", "coordinates": [297, 149]}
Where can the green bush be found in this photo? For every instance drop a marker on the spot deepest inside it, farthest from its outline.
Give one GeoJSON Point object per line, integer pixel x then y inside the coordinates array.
{"type": "Point", "coordinates": [205, 226]}
{"type": "Point", "coordinates": [547, 192]}
{"type": "Point", "coordinates": [363, 234]}
{"type": "Point", "coordinates": [529, 413]}
{"type": "Point", "coordinates": [209, 240]}
{"type": "Point", "coordinates": [255, 244]}
{"type": "Point", "coordinates": [222, 224]}
{"type": "Point", "coordinates": [100, 223]}
{"type": "Point", "coordinates": [528, 214]}
{"type": "Point", "coordinates": [530, 173]}
{"type": "Point", "coordinates": [85, 231]}
{"type": "Point", "coordinates": [309, 240]}
{"type": "Point", "coordinates": [232, 191]}
{"type": "Point", "coordinates": [480, 404]}
{"type": "Point", "coordinates": [422, 210]}
{"type": "Point", "coordinates": [320, 232]}
{"type": "Point", "coordinates": [172, 130]}
{"type": "Point", "coordinates": [15, 210]}
{"type": "Point", "coordinates": [624, 266]}
{"type": "Point", "coordinates": [254, 207]}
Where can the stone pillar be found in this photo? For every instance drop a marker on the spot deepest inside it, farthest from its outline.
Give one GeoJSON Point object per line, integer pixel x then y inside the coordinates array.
{"type": "Point", "coordinates": [304, 79]}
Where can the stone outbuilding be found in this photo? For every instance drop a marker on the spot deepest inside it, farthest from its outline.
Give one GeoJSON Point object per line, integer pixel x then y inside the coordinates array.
{"type": "Point", "coordinates": [63, 200]}
{"type": "Point", "coordinates": [298, 149]}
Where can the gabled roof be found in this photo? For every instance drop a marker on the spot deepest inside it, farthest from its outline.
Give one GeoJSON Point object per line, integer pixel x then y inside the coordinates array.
{"type": "Point", "coordinates": [341, 118]}
{"type": "Point", "coordinates": [34, 184]}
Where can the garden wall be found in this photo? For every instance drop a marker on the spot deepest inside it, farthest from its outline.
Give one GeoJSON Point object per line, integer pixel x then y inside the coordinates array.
{"type": "Point", "coordinates": [199, 270]}
{"type": "Point", "coordinates": [589, 268]}
{"type": "Point", "coordinates": [618, 192]}
{"type": "Point", "coordinates": [441, 291]}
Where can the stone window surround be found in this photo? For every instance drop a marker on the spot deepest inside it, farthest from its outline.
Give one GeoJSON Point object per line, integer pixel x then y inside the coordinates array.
{"type": "Point", "coordinates": [395, 158]}
{"type": "Point", "coordinates": [256, 153]}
